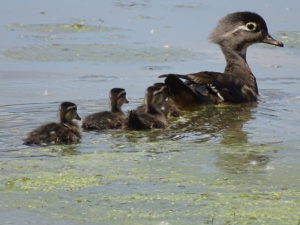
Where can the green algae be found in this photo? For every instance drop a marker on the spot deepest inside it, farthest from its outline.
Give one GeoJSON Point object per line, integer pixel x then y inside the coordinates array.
{"type": "Point", "coordinates": [60, 28]}
{"type": "Point", "coordinates": [291, 39]}
{"type": "Point", "coordinates": [141, 187]}
{"type": "Point", "coordinates": [98, 53]}
{"type": "Point", "coordinates": [152, 178]}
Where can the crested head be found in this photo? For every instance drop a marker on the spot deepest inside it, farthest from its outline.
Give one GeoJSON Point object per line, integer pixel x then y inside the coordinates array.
{"type": "Point", "coordinates": [68, 112]}
{"type": "Point", "coordinates": [241, 29]}
{"type": "Point", "coordinates": [117, 98]}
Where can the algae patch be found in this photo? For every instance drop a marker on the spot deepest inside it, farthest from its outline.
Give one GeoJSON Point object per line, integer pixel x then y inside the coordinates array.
{"type": "Point", "coordinates": [144, 187]}
{"type": "Point", "coordinates": [60, 28]}
{"type": "Point", "coordinates": [98, 53]}
{"type": "Point", "coordinates": [290, 39]}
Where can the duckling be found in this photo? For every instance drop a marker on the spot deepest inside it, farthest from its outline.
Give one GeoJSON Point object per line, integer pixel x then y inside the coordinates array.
{"type": "Point", "coordinates": [152, 116]}
{"type": "Point", "coordinates": [167, 107]}
{"type": "Point", "coordinates": [234, 34]}
{"type": "Point", "coordinates": [113, 119]}
{"type": "Point", "coordinates": [64, 132]}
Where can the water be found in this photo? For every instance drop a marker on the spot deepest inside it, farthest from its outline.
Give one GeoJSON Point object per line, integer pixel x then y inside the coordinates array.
{"type": "Point", "coordinates": [234, 164]}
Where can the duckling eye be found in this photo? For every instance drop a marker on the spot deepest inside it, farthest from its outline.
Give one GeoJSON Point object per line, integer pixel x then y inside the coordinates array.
{"type": "Point", "coordinates": [251, 26]}
{"type": "Point", "coordinates": [123, 95]}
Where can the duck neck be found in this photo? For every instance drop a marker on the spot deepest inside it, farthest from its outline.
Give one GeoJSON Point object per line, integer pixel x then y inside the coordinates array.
{"type": "Point", "coordinates": [152, 109]}
{"type": "Point", "coordinates": [115, 108]}
{"type": "Point", "coordinates": [237, 65]}
{"type": "Point", "coordinates": [68, 122]}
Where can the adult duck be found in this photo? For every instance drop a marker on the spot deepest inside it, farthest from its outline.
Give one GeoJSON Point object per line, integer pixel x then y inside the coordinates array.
{"type": "Point", "coordinates": [234, 34]}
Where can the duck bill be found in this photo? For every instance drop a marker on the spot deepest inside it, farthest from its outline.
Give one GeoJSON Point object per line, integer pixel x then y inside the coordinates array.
{"type": "Point", "coordinates": [77, 117]}
{"type": "Point", "coordinates": [271, 41]}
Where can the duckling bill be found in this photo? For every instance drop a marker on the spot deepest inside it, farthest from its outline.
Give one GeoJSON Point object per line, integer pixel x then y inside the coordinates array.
{"type": "Point", "coordinates": [234, 34]}
{"type": "Point", "coordinates": [112, 119]}
{"type": "Point", "coordinates": [64, 132]}
{"type": "Point", "coordinates": [151, 116]}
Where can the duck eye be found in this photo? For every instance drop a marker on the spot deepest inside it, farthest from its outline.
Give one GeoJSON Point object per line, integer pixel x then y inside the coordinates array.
{"type": "Point", "coordinates": [122, 95]}
{"type": "Point", "coordinates": [251, 26]}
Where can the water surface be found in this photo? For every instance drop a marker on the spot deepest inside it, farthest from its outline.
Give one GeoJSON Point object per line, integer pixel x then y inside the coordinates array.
{"type": "Point", "coordinates": [229, 164]}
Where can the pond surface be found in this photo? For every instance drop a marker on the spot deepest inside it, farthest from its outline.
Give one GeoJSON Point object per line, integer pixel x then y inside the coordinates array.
{"type": "Point", "coordinates": [229, 164]}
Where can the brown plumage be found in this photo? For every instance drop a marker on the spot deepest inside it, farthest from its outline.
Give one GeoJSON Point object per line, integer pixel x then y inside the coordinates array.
{"type": "Point", "coordinates": [151, 115]}
{"type": "Point", "coordinates": [168, 107]}
{"type": "Point", "coordinates": [234, 34]}
{"type": "Point", "coordinates": [64, 132]}
{"type": "Point", "coordinates": [113, 119]}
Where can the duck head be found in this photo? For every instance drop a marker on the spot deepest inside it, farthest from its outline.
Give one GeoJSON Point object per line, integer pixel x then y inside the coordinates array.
{"type": "Point", "coordinates": [155, 96]}
{"type": "Point", "coordinates": [117, 99]}
{"type": "Point", "coordinates": [68, 112]}
{"type": "Point", "coordinates": [239, 30]}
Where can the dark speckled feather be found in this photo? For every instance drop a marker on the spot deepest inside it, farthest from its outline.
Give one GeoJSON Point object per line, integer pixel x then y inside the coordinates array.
{"type": "Point", "coordinates": [113, 119]}
{"type": "Point", "coordinates": [104, 120]}
{"type": "Point", "coordinates": [168, 107]}
{"type": "Point", "coordinates": [151, 116]}
{"type": "Point", "coordinates": [65, 132]}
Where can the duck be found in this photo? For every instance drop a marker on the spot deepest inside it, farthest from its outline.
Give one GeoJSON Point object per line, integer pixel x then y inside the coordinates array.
{"type": "Point", "coordinates": [167, 106]}
{"type": "Point", "coordinates": [234, 33]}
{"type": "Point", "coordinates": [150, 116]}
{"type": "Point", "coordinates": [113, 119]}
{"type": "Point", "coordinates": [64, 132]}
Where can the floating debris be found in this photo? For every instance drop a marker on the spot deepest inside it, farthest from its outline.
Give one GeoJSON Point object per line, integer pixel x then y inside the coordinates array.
{"type": "Point", "coordinates": [291, 39]}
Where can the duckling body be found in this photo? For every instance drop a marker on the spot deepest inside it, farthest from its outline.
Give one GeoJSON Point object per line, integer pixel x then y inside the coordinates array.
{"type": "Point", "coordinates": [113, 119]}
{"type": "Point", "coordinates": [149, 116]}
{"type": "Point", "coordinates": [64, 132]}
{"type": "Point", "coordinates": [168, 107]}
{"type": "Point", "coordinates": [104, 120]}
{"type": "Point", "coordinates": [234, 34]}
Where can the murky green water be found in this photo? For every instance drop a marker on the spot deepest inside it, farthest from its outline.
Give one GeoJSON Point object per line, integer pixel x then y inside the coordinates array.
{"type": "Point", "coordinates": [231, 164]}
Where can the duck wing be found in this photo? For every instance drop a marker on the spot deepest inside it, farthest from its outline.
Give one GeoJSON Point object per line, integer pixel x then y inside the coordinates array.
{"type": "Point", "coordinates": [208, 88]}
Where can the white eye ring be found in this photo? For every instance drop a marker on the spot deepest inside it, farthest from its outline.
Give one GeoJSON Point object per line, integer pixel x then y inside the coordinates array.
{"type": "Point", "coordinates": [251, 26]}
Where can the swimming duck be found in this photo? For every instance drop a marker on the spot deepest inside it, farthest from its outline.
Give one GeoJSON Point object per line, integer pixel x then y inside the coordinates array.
{"type": "Point", "coordinates": [151, 116]}
{"type": "Point", "coordinates": [112, 119]}
{"type": "Point", "coordinates": [64, 132]}
{"type": "Point", "coordinates": [167, 106]}
{"type": "Point", "coordinates": [234, 34]}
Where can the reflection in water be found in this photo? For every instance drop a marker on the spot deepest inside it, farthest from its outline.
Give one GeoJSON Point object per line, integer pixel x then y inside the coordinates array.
{"type": "Point", "coordinates": [225, 125]}
{"type": "Point", "coordinates": [217, 124]}
{"type": "Point", "coordinates": [222, 125]}
{"type": "Point", "coordinates": [66, 150]}
{"type": "Point", "coordinates": [237, 160]}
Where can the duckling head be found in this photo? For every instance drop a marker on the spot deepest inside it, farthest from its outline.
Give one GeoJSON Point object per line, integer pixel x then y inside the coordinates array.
{"type": "Point", "coordinates": [239, 30]}
{"type": "Point", "coordinates": [68, 112]}
{"type": "Point", "coordinates": [117, 99]}
{"type": "Point", "coordinates": [164, 88]}
{"type": "Point", "coordinates": [155, 96]}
